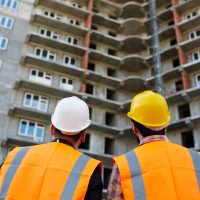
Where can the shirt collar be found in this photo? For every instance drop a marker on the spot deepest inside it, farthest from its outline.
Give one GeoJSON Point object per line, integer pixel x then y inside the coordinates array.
{"type": "Point", "coordinates": [153, 138]}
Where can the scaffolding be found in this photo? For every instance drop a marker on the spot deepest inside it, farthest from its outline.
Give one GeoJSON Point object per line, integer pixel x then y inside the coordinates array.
{"type": "Point", "coordinates": [156, 48]}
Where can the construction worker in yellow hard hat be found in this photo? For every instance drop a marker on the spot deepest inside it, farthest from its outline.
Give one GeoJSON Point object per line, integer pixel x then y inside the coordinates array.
{"type": "Point", "coordinates": [56, 170]}
{"type": "Point", "coordinates": [157, 169]}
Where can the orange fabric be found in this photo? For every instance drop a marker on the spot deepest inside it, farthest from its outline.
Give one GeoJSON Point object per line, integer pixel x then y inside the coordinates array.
{"type": "Point", "coordinates": [5, 166]}
{"type": "Point", "coordinates": [167, 171]}
{"type": "Point", "coordinates": [46, 178]}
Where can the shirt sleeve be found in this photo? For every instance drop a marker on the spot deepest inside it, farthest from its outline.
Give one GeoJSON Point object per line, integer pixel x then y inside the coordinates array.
{"type": "Point", "coordinates": [95, 186]}
{"type": "Point", "coordinates": [114, 187]}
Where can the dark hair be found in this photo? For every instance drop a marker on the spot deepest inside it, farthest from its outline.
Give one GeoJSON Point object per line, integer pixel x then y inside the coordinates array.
{"type": "Point", "coordinates": [144, 131]}
{"type": "Point", "coordinates": [59, 133]}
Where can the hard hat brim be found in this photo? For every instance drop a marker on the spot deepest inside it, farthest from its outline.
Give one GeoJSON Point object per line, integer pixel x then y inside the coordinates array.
{"type": "Point", "coordinates": [70, 131]}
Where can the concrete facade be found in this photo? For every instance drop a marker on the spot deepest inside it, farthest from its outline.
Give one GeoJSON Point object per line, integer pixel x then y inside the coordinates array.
{"type": "Point", "coordinates": [100, 51]}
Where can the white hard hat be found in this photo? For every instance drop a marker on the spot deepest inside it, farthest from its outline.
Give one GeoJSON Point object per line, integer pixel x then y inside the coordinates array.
{"type": "Point", "coordinates": [71, 115]}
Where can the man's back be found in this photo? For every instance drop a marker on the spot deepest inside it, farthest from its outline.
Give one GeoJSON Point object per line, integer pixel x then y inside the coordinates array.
{"type": "Point", "coordinates": [160, 170]}
{"type": "Point", "coordinates": [49, 171]}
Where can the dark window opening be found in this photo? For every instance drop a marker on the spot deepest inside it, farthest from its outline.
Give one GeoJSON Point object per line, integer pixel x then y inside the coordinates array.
{"type": "Point", "coordinates": [110, 94]}
{"type": "Point", "coordinates": [173, 42]}
{"type": "Point", "coordinates": [153, 73]}
{"type": "Point", "coordinates": [192, 35]}
{"type": "Point", "coordinates": [109, 119]}
{"type": "Point", "coordinates": [85, 145]}
{"type": "Point", "coordinates": [110, 72]}
{"type": "Point", "coordinates": [75, 41]}
{"type": "Point", "coordinates": [112, 34]}
{"type": "Point", "coordinates": [109, 146]}
{"type": "Point", "coordinates": [176, 62]}
{"type": "Point", "coordinates": [184, 111]}
{"type": "Point", "coordinates": [187, 139]}
{"type": "Point", "coordinates": [111, 52]}
{"type": "Point", "coordinates": [40, 74]}
{"type": "Point", "coordinates": [198, 33]}
{"type": "Point", "coordinates": [93, 27]}
{"type": "Point", "coordinates": [106, 177]}
{"type": "Point", "coordinates": [168, 6]}
{"type": "Point", "coordinates": [179, 85]}
{"type": "Point", "coordinates": [93, 46]}
{"type": "Point", "coordinates": [90, 112]}
{"type": "Point", "coordinates": [170, 23]}
{"type": "Point", "coordinates": [77, 23]}
{"type": "Point", "coordinates": [89, 89]}
{"type": "Point", "coordinates": [194, 13]}
{"type": "Point", "coordinates": [70, 82]}
{"type": "Point", "coordinates": [95, 10]}
{"type": "Point", "coordinates": [196, 56]}
{"type": "Point", "coordinates": [91, 66]}
{"type": "Point", "coordinates": [112, 17]}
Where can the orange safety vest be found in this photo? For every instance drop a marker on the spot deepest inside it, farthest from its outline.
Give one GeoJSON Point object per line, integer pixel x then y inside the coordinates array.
{"type": "Point", "coordinates": [46, 172]}
{"type": "Point", "coordinates": [160, 171]}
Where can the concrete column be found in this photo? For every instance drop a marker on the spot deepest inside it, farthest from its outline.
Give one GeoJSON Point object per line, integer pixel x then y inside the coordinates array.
{"type": "Point", "coordinates": [179, 37]}
{"type": "Point", "coordinates": [185, 79]}
{"type": "Point", "coordinates": [175, 2]}
{"type": "Point", "coordinates": [88, 24]}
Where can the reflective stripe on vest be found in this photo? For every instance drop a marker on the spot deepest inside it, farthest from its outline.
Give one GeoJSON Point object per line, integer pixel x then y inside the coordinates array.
{"type": "Point", "coordinates": [74, 177]}
{"type": "Point", "coordinates": [136, 174]}
{"type": "Point", "coordinates": [196, 161]}
{"type": "Point", "coordinates": [12, 170]}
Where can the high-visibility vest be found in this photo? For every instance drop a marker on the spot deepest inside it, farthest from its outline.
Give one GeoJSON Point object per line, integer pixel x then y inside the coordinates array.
{"type": "Point", "coordinates": [49, 171]}
{"type": "Point", "coordinates": [160, 171]}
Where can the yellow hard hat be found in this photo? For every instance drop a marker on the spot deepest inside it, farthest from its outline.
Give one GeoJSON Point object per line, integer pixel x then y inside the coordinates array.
{"type": "Point", "coordinates": [149, 109]}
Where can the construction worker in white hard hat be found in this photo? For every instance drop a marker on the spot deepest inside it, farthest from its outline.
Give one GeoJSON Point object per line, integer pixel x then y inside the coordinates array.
{"type": "Point", "coordinates": [56, 170]}
{"type": "Point", "coordinates": [157, 169]}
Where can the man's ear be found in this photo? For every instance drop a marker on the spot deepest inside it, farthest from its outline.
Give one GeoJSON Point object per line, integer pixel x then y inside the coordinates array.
{"type": "Point", "coordinates": [52, 129]}
{"type": "Point", "coordinates": [135, 129]}
{"type": "Point", "coordinates": [83, 134]}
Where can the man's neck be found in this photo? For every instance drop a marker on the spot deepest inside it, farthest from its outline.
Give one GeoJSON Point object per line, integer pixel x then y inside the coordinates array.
{"type": "Point", "coordinates": [153, 138]}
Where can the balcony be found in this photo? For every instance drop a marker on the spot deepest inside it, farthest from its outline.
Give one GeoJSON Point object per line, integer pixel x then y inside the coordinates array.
{"type": "Point", "coordinates": [30, 60]}
{"type": "Point", "coordinates": [59, 93]}
{"type": "Point", "coordinates": [104, 57]}
{"type": "Point", "coordinates": [30, 114]}
{"type": "Point", "coordinates": [102, 78]}
{"type": "Point", "coordinates": [188, 122]}
{"type": "Point", "coordinates": [166, 33]}
{"type": "Point", "coordinates": [58, 25]}
{"type": "Point", "coordinates": [189, 24]}
{"type": "Point", "coordinates": [159, 3]}
{"type": "Point", "coordinates": [63, 7]}
{"type": "Point", "coordinates": [133, 63]}
{"type": "Point", "coordinates": [135, 83]}
{"type": "Point", "coordinates": [188, 45]}
{"type": "Point", "coordinates": [165, 15]}
{"type": "Point", "coordinates": [171, 74]}
{"type": "Point", "coordinates": [105, 39]}
{"type": "Point", "coordinates": [126, 27]}
{"type": "Point", "coordinates": [105, 21]}
{"type": "Point", "coordinates": [183, 6]}
{"type": "Point", "coordinates": [191, 66]}
{"type": "Point", "coordinates": [169, 52]}
{"type": "Point", "coordinates": [133, 44]}
{"type": "Point", "coordinates": [184, 95]}
{"type": "Point", "coordinates": [59, 45]}
{"type": "Point", "coordinates": [127, 10]}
